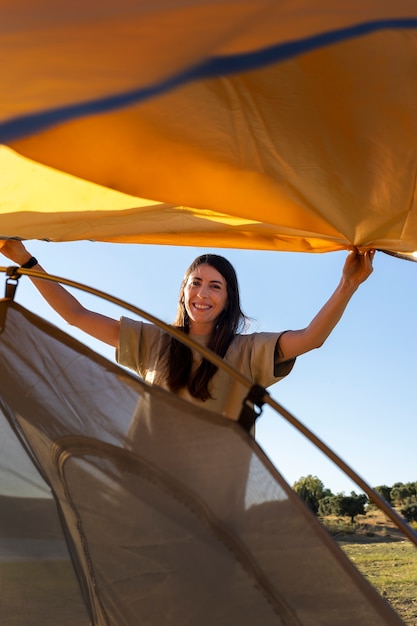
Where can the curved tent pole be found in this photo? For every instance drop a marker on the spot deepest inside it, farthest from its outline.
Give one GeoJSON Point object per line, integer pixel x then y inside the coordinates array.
{"type": "Point", "coordinates": [14, 273]}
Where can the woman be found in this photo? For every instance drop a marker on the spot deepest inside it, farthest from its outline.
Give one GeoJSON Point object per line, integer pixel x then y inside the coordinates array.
{"type": "Point", "coordinates": [209, 311]}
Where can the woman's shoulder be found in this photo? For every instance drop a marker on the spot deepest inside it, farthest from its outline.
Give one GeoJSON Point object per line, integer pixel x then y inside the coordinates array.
{"type": "Point", "coordinates": [254, 345]}
{"type": "Point", "coordinates": [253, 341]}
{"type": "Point", "coordinates": [130, 328]}
{"type": "Point", "coordinates": [256, 337]}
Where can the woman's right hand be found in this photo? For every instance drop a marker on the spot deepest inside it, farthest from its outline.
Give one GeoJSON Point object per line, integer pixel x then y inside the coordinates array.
{"type": "Point", "coordinates": [14, 250]}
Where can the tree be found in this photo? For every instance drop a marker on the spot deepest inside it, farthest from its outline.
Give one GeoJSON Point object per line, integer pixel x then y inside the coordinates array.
{"type": "Point", "coordinates": [311, 490]}
{"type": "Point", "coordinates": [327, 506]}
{"type": "Point", "coordinates": [412, 487]}
{"type": "Point", "coordinates": [410, 511]}
{"type": "Point", "coordinates": [401, 492]}
{"type": "Point", "coordinates": [351, 506]}
{"type": "Point", "coordinates": [384, 491]}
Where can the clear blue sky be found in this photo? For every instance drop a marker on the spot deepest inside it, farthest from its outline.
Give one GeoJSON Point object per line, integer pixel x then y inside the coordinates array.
{"type": "Point", "coordinates": [358, 392]}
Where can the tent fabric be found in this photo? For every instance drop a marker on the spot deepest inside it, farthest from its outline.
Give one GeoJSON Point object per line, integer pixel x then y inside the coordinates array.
{"type": "Point", "coordinates": [262, 125]}
{"type": "Point", "coordinates": [170, 514]}
{"type": "Point", "coordinates": [148, 47]}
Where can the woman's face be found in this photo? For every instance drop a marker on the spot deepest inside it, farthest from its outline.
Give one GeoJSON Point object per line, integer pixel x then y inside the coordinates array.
{"type": "Point", "coordinates": [205, 297]}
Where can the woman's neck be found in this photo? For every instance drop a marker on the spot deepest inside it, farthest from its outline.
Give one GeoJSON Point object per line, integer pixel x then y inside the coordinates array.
{"type": "Point", "coordinates": [201, 329]}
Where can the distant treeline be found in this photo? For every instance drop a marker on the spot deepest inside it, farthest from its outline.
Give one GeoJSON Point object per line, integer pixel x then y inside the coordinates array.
{"type": "Point", "coordinates": [323, 502]}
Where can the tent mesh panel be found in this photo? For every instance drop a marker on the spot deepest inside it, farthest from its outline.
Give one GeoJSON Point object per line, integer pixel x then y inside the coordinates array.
{"type": "Point", "coordinates": [121, 504]}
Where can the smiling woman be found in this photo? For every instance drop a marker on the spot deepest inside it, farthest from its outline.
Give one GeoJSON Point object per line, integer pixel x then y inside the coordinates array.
{"type": "Point", "coordinates": [209, 310]}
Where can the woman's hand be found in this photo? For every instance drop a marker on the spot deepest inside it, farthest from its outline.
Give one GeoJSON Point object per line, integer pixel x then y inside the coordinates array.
{"type": "Point", "coordinates": [14, 250]}
{"type": "Point", "coordinates": [358, 266]}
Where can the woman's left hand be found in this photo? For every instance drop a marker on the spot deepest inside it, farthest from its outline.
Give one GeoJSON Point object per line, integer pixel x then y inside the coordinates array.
{"type": "Point", "coordinates": [358, 266]}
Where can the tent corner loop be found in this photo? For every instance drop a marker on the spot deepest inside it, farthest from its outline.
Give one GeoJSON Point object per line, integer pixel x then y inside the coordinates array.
{"type": "Point", "coordinates": [252, 407]}
{"type": "Point", "coordinates": [11, 282]}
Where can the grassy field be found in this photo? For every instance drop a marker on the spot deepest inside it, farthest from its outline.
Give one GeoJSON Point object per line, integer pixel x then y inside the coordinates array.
{"type": "Point", "coordinates": [392, 569]}
{"type": "Point", "coordinates": [384, 557]}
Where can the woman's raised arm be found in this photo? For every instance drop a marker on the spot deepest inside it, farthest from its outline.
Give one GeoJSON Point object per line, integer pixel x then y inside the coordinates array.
{"type": "Point", "coordinates": [99, 326]}
{"type": "Point", "coordinates": [357, 268]}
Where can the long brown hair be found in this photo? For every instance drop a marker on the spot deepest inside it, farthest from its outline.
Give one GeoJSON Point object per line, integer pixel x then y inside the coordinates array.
{"type": "Point", "coordinates": [230, 321]}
